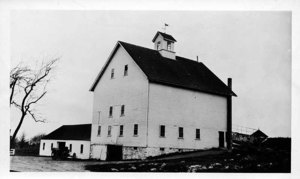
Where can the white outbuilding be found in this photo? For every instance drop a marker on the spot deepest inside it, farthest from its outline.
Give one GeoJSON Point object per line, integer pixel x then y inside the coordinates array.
{"type": "Point", "coordinates": [77, 138]}
{"type": "Point", "coordinates": [149, 102]}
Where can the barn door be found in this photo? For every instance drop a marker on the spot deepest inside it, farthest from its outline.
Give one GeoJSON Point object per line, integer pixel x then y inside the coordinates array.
{"type": "Point", "coordinates": [221, 139]}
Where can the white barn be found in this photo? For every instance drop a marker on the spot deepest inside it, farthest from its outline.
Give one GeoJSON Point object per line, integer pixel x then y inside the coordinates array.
{"type": "Point", "coordinates": [76, 137]}
{"type": "Point", "coordinates": [149, 102]}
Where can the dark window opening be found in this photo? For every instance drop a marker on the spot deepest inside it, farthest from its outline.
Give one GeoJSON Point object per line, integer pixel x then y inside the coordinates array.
{"type": "Point", "coordinates": [109, 131]}
{"type": "Point", "coordinates": [44, 146]}
{"type": "Point", "coordinates": [198, 134]}
{"type": "Point", "coordinates": [135, 130]}
{"type": "Point", "coordinates": [125, 70]}
{"type": "Point", "coordinates": [162, 131]}
{"type": "Point", "coordinates": [162, 149]}
{"type": "Point", "coordinates": [81, 148]}
{"type": "Point", "coordinates": [158, 46]}
{"type": "Point", "coordinates": [112, 74]}
{"type": "Point", "coordinates": [122, 110]}
{"type": "Point", "coordinates": [169, 46]}
{"type": "Point", "coordinates": [99, 131]}
{"type": "Point", "coordinates": [51, 146]}
{"type": "Point", "coordinates": [121, 130]}
{"type": "Point", "coordinates": [180, 132]}
{"type": "Point", "coordinates": [110, 111]}
{"type": "Point", "coordinates": [134, 148]}
{"type": "Point", "coordinates": [70, 147]}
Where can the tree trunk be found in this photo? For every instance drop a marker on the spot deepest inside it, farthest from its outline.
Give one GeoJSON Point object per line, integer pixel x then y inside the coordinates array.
{"type": "Point", "coordinates": [12, 140]}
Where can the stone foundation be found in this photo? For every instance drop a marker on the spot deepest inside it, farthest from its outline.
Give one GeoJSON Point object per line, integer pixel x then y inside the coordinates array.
{"type": "Point", "coordinates": [134, 153]}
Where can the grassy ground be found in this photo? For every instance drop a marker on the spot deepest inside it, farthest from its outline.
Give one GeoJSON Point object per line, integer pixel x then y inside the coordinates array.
{"type": "Point", "coordinates": [241, 160]}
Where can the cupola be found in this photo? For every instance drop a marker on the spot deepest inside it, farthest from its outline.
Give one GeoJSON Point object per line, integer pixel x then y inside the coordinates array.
{"type": "Point", "coordinates": [164, 43]}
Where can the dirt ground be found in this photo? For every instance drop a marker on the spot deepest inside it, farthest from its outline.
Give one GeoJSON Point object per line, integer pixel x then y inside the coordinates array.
{"type": "Point", "coordinates": [46, 164]}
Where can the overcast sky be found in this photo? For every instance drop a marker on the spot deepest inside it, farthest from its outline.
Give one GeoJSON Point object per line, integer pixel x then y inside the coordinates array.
{"type": "Point", "coordinates": [253, 48]}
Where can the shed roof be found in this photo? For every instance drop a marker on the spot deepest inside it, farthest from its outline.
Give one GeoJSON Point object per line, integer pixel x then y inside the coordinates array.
{"type": "Point", "coordinates": [165, 36]}
{"type": "Point", "coordinates": [71, 132]}
{"type": "Point", "coordinates": [181, 72]}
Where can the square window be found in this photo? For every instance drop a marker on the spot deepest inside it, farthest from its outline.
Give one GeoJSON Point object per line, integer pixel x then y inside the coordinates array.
{"type": "Point", "coordinates": [135, 130]}
{"type": "Point", "coordinates": [162, 149]}
{"type": "Point", "coordinates": [180, 132]}
{"type": "Point", "coordinates": [162, 131]}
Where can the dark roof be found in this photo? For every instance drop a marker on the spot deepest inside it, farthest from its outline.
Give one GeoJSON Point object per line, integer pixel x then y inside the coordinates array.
{"type": "Point", "coordinates": [165, 36]}
{"type": "Point", "coordinates": [258, 133]}
{"type": "Point", "coordinates": [182, 72]}
{"type": "Point", "coordinates": [71, 132]}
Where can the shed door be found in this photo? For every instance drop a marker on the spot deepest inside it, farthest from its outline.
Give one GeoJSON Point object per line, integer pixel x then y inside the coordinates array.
{"type": "Point", "coordinates": [221, 139]}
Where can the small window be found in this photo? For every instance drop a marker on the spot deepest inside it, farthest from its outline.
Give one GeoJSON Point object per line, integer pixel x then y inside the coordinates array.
{"type": "Point", "coordinates": [109, 131]}
{"type": "Point", "coordinates": [125, 70]}
{"type": "Point", "coordinates": [81, 148]}
{"type": "Point", "coordinates": [162, 131]}
{"type": "Point", "coordinates": [110, 111]}
{"type": "Point", "coordinates": [169, 46]}
{"type": "Point", "coordinates": [198, 134]}
{"type": "Point", "coordinates": [135, 130]}
{"type": "Point", "coordinates": [162, 149]}
{"type": "Point", "coordinates": [112, 74]}
{"type": "Point", "coordinates": [121, 130]}
{"type": "Point", "coordinates": [70, 147]}
{"type": "Point", "coordinates": [134, 148]}
{"type": "Point", "coordinates": [180, 132]}
{"type": "Point", "coordinates": [44, 146]}
{"type": "Point", "coordinates": [158, 45]}
{"type": "Point", "coordinates": [51, 146]}
{"type": "Point", "coordinates": [99, 131]}
{"type": "Point", "coordinates": [122, 110]}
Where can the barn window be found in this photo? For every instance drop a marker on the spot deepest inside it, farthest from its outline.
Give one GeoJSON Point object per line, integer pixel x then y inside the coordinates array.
{"type": "Point", "coordinates": [169, 46]}
{"type": "Point", "coordinates": [51, 146]}
{"type": "Point", "coordinates": [112, 74]}
{"type": "Point", "coordinates": [125, 70]}
{"type": "Point", "coordinates": [162, 131]}
{"type": "Point", "coordinates": [135, 130]}
{"type": "Point", "coordinates": [110, 111]}
{"type": "Point", "coordinates": [122, 110]}
{"type": "Point", "coordinates": [99, 130]}
{"type": "Point", "coordinates": [70, 147]}
{"type": "Point", "coordinates": [180, 132]}
{"type": "Point", "coordinates": [198, 134]}
{"type": "Point", "coordinates": [81, 148]}
{"type": "Point", "coordinates": [121, 130]}
{"type": "Point", "coordinates": [158, 45]}
{"type": "Point", "coordinates": [44, 146]}
{"type": "Point", "coordinates": [134, 148]}
{"type": "Point", "coordinates": [109, 131]}
{"type": "Point", "coordinates": [162, 149]}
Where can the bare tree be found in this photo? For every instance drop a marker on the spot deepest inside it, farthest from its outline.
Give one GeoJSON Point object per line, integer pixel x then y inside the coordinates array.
{"type": "Point", "coordinates": [28, 86]}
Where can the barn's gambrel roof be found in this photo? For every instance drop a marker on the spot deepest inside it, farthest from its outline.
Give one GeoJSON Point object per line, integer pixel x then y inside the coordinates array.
{"type": "Point", "coordinates": [181, 72]}
{"type": "Point", "coordinates": [71, 132]}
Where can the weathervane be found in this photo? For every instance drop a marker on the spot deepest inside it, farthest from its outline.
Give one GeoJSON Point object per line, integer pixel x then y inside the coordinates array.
{"type": "Point", "coordinates": [165, 27]}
